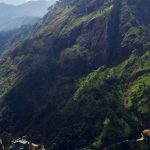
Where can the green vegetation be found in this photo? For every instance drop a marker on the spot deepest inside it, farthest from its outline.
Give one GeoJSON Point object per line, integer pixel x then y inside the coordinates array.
{"type": "Point", "coordinates": [125, 86]}
{"type": "Point", "coordinates": [87, 18]}
{"type": "Point", "coordinates": [81, 78]}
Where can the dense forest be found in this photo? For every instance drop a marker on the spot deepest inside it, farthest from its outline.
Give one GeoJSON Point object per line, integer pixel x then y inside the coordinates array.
{"type": "Point", "coordinates": [80, 77]}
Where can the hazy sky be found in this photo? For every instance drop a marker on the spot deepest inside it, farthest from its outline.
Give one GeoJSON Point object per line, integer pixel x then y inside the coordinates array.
{"type": "Point", "coordinates": [14, 2]}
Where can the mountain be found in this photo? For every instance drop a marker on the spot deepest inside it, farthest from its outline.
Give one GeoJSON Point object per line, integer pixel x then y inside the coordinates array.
{"type": "Point", "coordinates": [13, 37]}
{"type": "Point", "coordinates": [12, 16]}
{"type": "Point", "coordinates": [81, 77]}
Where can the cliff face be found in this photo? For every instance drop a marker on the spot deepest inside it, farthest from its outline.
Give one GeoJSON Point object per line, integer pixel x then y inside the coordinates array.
{"type": "Point", "coordinates": [55, 88]}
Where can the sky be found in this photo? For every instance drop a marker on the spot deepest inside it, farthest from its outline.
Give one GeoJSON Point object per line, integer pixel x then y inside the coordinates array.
{"type": "Point", "coordinates": [14, 2]}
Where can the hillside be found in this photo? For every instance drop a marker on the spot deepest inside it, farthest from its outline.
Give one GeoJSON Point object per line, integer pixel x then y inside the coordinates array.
{"type": "Point", "coordinates": [81, 79]}
{"type": "Point", "coordinates": [9, 39]}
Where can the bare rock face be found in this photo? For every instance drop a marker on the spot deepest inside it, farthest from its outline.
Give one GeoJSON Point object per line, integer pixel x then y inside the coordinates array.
{"type": "Point", "coordinates": [1, 144]}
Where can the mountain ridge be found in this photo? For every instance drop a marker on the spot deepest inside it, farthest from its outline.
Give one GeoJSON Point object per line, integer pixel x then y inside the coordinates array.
{"type": "Point", "coordinates": [79, 81]}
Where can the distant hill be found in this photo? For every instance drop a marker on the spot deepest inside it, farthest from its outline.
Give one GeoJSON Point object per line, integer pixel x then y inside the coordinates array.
{"type": "Point", "coordinates": [18, 22]}
{"type": "Point", "coordinates": [12, 17]}
{"type": "Point", "coordinates": [13, 37]}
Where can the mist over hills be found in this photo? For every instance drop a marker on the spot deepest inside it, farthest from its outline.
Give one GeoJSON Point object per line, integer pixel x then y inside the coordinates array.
{"type": "Point", "coordinates": [12, 17]}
